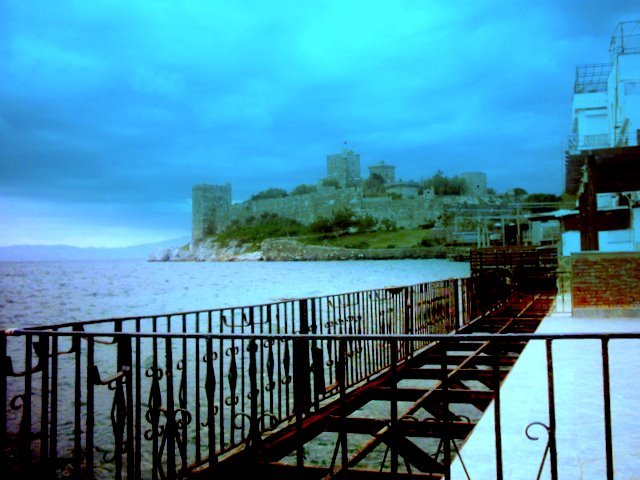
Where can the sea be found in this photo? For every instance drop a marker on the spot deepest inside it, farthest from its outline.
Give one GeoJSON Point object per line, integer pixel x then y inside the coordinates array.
{"type": "Point", "coordinates": [45, 293]}
{"type": "Point", "coordinates": [48, 293]}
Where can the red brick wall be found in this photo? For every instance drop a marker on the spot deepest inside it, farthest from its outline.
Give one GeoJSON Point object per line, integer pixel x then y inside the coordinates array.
{"type": "Point", "coordinates": [605, 280]}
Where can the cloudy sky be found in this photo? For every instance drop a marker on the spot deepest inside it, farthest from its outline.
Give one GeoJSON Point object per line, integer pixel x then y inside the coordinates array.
{"type": "Point", "coordinates": [110, 111]}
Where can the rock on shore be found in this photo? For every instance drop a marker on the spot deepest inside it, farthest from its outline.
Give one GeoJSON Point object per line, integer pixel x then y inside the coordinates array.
{"type": "Point", "coordinates": [207, 251]}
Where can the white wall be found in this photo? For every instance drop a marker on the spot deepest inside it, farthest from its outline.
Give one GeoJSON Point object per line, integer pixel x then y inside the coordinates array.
{"type": "Point", "coordinates": [626, 73]}
{"type": "Point", "coordinates": [616, 241]}
{"type": "Point", "coordinates": [570, 243]}
{"type": "Point", "coordinates": [609, 241]}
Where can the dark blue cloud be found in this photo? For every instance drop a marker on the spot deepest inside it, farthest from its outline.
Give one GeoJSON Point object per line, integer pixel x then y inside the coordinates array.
{"type": "Point", "coordinates": [111, 111]}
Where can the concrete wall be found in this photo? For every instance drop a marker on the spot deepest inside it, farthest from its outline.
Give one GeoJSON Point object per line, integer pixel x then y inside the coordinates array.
{"type": "Point", "coordinates": [608, 282]}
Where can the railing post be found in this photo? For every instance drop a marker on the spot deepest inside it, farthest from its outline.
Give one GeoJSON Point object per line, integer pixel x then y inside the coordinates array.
{"type": "Point", "coordinates": [444, 419]}
{"type": "Point", "coordinates": [170, 426]}
{"type": "Point", "coordinates": [76, 347]}
{"type": "Point", "coordinates": [91, 381]}
{"type": "Point", "coordinates": [125, 364]}
{"type": "Point", "coordinates": [43, 359]}
{"type": "Point", "coordinates": [496, 409]}
{"type": "Point", "coordinates": [552, 412]}
{"type": "Point", "coordinates": [341, 377]}
{"type": "Point", "coordinates": [408, 319]}
{"type": "Point", "coordinates": [607, 407]}
{"type": "Point", "coordinates": [394, 406]}
{"type": "Point", "coordinates": [3, 395]}
{"type": "Point", "coordinates": [210, 390]}
{"type": "Point", "coordinates": [301, 366]}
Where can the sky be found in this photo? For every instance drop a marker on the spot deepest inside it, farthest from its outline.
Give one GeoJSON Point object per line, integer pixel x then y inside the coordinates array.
{"type": "Point", "coordinates": [110, 111]}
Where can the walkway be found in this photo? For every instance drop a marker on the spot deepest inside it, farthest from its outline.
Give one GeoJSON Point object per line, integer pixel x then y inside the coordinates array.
{"type": "Point", "coordinates": [409, 420]}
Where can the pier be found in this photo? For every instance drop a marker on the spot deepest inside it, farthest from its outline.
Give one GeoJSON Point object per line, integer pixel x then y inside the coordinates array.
{"type": "Point", "coordinates": [385, 383]}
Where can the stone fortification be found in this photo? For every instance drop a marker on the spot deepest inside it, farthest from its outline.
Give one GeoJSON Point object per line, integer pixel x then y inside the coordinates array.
{"type": "Point", "coordinates": [405, 212]}
{"type": "Point", "coordinates": [344, 167]}
{"type": "Point", "coordinates": [212, 209]}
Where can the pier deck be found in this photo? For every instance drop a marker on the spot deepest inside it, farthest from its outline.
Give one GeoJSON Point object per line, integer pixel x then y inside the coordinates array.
{"type": "Point", "coordinates": [432, 402]}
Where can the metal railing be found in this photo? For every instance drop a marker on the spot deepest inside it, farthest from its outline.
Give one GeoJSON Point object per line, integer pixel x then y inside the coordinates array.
{"type": "Point", "coordinates": [154, 397]}
{"type": "Point", "coordinates": [171, 433]}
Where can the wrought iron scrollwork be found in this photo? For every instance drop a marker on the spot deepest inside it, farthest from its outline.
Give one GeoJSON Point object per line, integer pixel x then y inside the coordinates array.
{"type": "Point", "coordinates": [286, 363]}
{"type": "Point", "coordinates": [232, 376]}
{"type": "Point", "coordinates": [170, 430]}
{"type": "Point", "coordinates": [531, 437]}
{"type": "Point", "coordinates": [271, 383]}
{"type": "Point", "coordinates": [259, 423]}
{"type": "Point", "coordinates": [210, 385]}
{"type": "Point", "coordinates": [118, 411]}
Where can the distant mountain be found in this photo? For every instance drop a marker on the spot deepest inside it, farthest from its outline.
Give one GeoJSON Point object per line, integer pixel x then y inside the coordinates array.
{"type": "Point", "coordinates": [66, 252]}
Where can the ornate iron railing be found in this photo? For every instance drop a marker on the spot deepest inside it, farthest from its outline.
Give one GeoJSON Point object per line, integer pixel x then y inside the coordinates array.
{"type": "Point", "coordinates": [154, 396]}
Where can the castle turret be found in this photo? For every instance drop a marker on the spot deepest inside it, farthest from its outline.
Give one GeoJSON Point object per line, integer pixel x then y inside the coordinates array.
{"type": "Point", "coordinates": [475, 183]}
{"type": "Point", "coordinates": [209, 210]}
{"type": "Point", "coordinates": [387, 172]}
{"type": "Point", "coordinates": [344, 167]}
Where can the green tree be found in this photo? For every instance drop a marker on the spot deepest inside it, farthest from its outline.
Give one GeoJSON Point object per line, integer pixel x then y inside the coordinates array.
{"type": "Point", "coordinates": [388, 225]}
{"type": "Point", "coordinates": [542, 198]}
{"type": "Point", "coordinates": [344, 219]}
{"type": "Point", "coordinates": [322, 225]}
{"type": "Point", "coordinates": [304, 189]}
{"type": "Point", "coordinates": [443, 185]}
{"type": "Point", "coordinates": [366, 224]}
{"type": "Point", "coordinates": [270, 193]}
{"type": "Point", "coordinates": [374, 186]}
{"type": "Point", "coordinates": [330, 182]}
{"type": "Point", "coordinates": [254, 230]}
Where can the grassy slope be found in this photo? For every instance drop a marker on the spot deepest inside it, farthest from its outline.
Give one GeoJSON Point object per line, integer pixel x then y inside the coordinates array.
{"type": "Point", "coordinates": [380, 239]}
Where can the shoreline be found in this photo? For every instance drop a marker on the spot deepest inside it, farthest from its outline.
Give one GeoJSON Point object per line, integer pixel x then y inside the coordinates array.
{"type": "Point", "coordinates": [288, 250]}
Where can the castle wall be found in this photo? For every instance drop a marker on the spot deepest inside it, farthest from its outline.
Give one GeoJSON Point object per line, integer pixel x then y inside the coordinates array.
{"type": "Point", "coordinates": [405, 212]}
{"type": "Point", "coordinates": [209, 209]}
{"type": "Point", "coordinates": [212, 210]}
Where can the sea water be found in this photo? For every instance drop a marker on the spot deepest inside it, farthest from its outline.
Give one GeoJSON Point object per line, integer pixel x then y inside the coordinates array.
{"type": "Point", "coordinates": [41, 293]}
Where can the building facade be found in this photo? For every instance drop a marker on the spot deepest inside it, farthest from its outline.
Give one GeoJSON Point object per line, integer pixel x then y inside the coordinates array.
{"type": "Point", "coordinates": [606, 96]}
{"type": "Point", "coordinates": [603, 158]}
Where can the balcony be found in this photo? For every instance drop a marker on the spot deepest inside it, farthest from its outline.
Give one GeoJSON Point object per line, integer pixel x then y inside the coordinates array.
{"type": "Point", "coordinates": [577, 143]}
{"type": "Point", "coordinates": [592, 78]}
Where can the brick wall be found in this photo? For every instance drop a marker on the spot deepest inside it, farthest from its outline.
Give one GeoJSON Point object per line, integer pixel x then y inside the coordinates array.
{"type": "Point", "coordinates": [605, 280]}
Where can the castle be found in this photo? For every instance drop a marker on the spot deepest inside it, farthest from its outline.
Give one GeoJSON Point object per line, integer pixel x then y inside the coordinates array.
{"type": "Point", "coordinates": [407, 205]}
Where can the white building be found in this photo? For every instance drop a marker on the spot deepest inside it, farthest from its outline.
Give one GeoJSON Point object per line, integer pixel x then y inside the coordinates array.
{"type": "Point", "coordinates": [606, 133]}
{"type": "Point", "coordinates": [606, 96]}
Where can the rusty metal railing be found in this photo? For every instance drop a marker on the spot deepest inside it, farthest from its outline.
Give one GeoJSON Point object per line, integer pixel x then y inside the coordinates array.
{"type": "Point", "coordinates": [154, 397]}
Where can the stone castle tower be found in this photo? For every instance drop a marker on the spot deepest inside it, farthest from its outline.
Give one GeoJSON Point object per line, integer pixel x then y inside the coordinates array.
{"type": "Point", "coordinates": [344, 167]}
{"type": "Point", "coordinates": [475, 183]}
{"type": "Point", "coordinates": [210, 209]}
{"type": "Point", "coordinates": [386, 171]}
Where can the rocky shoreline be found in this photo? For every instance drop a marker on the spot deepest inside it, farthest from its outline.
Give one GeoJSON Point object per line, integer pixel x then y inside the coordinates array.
{"type": "Point", "coordinates": [207, 251]}
{"type": "Point", "coordinates": [287, 250]}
